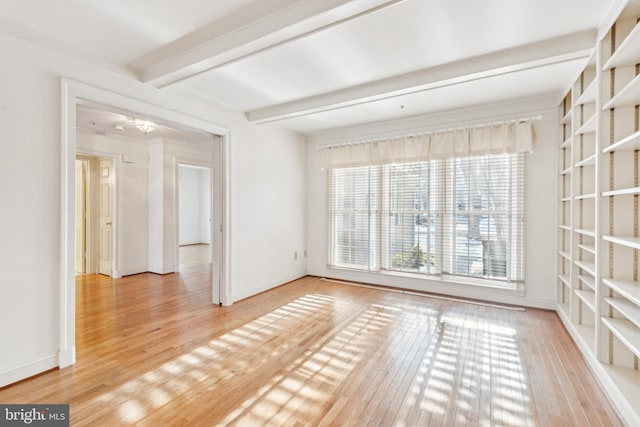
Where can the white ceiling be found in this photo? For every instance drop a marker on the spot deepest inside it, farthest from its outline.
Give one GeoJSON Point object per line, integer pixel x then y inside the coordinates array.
{"type": "Point", "coordinates": [310, 65]}
{"type": "Point", "coordinates": [101, 119]}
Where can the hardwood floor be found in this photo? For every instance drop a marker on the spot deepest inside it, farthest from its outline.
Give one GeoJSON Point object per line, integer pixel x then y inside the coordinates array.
{"type": "Point", "coordinates": [153, 351]}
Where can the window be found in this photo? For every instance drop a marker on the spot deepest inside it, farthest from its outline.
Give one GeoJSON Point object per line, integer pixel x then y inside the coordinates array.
{"type": "Point", "coordinates": [455, 217]}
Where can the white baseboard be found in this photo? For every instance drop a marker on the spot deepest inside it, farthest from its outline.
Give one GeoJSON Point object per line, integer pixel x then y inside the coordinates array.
{"type": "Point", "coordinates": [18, 373]}
{"type": "Point", "coordinates": [242, 295]}
{"type": "Point", "coordinates": [502, 296]}
{"type": "Point", "coordinates": [132, 271]}
{"type": "Point", "coordinates": [157, 269]}
{"type": "Point", "coordinates": [67, 357]}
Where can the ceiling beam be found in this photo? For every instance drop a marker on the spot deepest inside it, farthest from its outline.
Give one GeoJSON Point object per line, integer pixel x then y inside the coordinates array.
{"type": "Point", "coordinates": [252, 29]}
{"type": "Point", "coordinates": [548, 52]}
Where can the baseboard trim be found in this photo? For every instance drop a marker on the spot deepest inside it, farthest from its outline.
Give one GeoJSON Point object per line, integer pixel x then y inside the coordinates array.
{"type": "Point", "coordinates": [21, 372]}
{"type": "Point", "coordinates": [450, 289]}
{"type": "Point", "coordinates": [160, 269]}
{"type": "Point", "coordinates": [67, 357]}
{"type": "Point", "coordinates": [264, 288]}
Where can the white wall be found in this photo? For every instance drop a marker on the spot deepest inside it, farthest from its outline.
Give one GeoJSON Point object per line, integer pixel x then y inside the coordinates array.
{"type": "Point", "coordinates": [541, 190]}
{"type": "Point", "coordinates": [194, 205]}
{"type": "Point", "coordinates": [268, 190]}
{"type": "Point", "coordinates": [267, 212]}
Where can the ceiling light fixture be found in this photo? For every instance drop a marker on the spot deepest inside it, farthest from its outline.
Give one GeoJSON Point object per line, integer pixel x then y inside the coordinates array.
{"type": "Point", "coordinates": [145, 126]}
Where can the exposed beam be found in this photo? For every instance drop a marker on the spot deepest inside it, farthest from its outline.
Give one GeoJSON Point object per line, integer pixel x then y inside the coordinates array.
{"type": "Point", "coordinates": [521, 58]}
{"type": "Point", "coordinates": [252, 29]}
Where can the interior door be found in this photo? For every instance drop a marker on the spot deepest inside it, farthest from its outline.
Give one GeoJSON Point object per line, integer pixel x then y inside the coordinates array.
{"type": "Point", "coordinates": [80, 214]}
{"type": "Point", "coordinates": [105, 217]}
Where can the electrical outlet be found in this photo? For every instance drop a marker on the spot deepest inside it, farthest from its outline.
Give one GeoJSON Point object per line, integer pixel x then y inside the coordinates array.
{"type": "Point", "coordinates": [295, 255]}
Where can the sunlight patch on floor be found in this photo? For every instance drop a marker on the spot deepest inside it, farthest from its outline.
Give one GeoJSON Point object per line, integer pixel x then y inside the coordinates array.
{"type": "Point", "coordinates": [137, 398]}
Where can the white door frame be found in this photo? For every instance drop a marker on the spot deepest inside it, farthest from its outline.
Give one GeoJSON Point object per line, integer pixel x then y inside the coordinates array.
{"type": "Point", "coordinates": [71, 92]}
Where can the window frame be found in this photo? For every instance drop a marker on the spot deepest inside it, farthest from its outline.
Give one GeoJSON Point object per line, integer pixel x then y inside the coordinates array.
{"type": "Point", "coordinates": [379, 253]}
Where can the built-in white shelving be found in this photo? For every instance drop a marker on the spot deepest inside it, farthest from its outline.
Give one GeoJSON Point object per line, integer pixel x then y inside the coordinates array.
{"type": "Point", "coordinates": [589, 248]}
{"type": "Point", "coordinates": [588, 297]}
{"type": "Point", "coordinates": [628, 53]}
{"type": "Point", "coordinates": [588, 95]}
{"type": "Point", "coordinates": [588, 267]}
{"type": "Point", "coordinates": [586, 196]}
{"type": "Point", "coordinates": [589, 281]}
{"type": "Point", "coordinates": [621, 192]}
{"type": "Point", "coordinates": [625, 331]}
{"type": "Point", "coordinates": [627, 288]}
{"type": "Point", "coordinates": [587, 161]}
{"type": "Point", "coordinates": [628, 143]}
{"type": "Point", "coordinates": [599, 213]}
{"type": "Point", "coordinates": [628, 96]}
{"type": "Point", "coordinates": [589, 126]}
{"type": "Point", "coordinates": [626, 308]}
{"type": "Point", "coordinates": [586, 232]}
{"type": "Point", "coordinates": [630, 242]}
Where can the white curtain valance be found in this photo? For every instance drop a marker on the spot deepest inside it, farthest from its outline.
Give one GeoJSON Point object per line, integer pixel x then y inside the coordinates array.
{"type": "Point", "coordinates": [502, 138]}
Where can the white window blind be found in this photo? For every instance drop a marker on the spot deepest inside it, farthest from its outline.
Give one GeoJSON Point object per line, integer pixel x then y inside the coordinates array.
{"type": "Point", "coordinates": [456, 217]}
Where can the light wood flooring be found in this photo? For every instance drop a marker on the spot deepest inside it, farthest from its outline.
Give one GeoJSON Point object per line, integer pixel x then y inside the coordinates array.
{"type": "Point", "coordinates": [153, 351]}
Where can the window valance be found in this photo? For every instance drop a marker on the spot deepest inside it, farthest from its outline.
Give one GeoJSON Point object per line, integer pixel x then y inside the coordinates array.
{"type": "Point", "coordinates": [497, 138]}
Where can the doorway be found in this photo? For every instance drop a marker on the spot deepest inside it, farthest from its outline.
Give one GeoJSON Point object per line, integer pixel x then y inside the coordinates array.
{"type": "Point", "coordinates": [94, 215]}
{"type": "Point", "coordinates": [194, 215]}
{"type": "Point", "coordinates": [74, 93]}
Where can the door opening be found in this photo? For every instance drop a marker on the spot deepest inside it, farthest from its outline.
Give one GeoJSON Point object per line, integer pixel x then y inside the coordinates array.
{"type": "Point", "coordinates": [194, 216]}
{"type": "Point", "coordinates": [75, 95]}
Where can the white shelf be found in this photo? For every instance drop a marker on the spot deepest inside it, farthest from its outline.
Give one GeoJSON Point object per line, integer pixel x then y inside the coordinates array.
{"type": "Point", "coordinates": [628, 53]}
{"type": "Point", "coordinates": [586, 196]}
{"type": "Point", "coordinates": [565, 199]}
{"type": "Point", "coordinates": [564, 254]}
{"type": "Point", "coordinates": [621, 192]}
{"type": "Point", "coordinates": [628, 143]}
{"type": "Point", "coordinates": [567, 171]}
{"type": "Point", "coordinates": [588, 297]}
{"type": "Point", "coordinates": [588, 95]}
{"type": "Point", "coordinates": [588, 280]}
{"type": "Point", "coordinates": [628, 241]}
{"type": "Point", "coordinates": [626, 332]}
{"type": "Point", "coordinates": [588, 267]}
{"type": "Point", "coordinates": [627, 288]}
{"type": "Point", "coordinates": [567, 143]}
{"type": "Point", "coordinates": [565, 279]}
{"type": "Point", "coordinates": [564, 227]}
{"type": "Point", "coordinates": [586, 232]}
{"type": "Point", "coordinates": [626, 308]}
{"type": "Point", "coordinates": [628, 96]}
{"type": "Point", "coordinates": [588, 248]}
{"type": "Point", "coordinates": [588, 126]}
{"type": "Point", "coordinates": [588, 161]}
{"type": "Point", "coordinates": [566, 119]}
